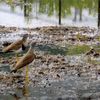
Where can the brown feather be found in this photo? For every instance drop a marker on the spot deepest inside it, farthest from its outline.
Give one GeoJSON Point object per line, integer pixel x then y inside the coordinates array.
{"type": "Point", "coordinates": [25, 60]}
{"type": "Point", "coordinates": [15, 45]}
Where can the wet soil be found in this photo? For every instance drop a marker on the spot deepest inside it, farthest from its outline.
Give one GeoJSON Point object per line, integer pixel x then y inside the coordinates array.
{"type": "Point", "coordinates": [67, 64]}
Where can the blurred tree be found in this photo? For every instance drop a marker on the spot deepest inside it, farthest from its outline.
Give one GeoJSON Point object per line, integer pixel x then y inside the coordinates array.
{"type": "Point", "coordinates": [58, 8]}
{"type": "Point", "coordinates": [60, 12]}
{"type": "Point", "coordinates": [98, 13]}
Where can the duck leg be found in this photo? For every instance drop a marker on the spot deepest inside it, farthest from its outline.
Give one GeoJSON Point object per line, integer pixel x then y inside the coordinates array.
{"type": "Point", "coordinates": [26, 81]}
{"type": "Point", "coordinates": [17, 57]}
{"type": "Point", "coordinates": [27, 75]}
{"type": "Point", "coordinates": [25, 91]}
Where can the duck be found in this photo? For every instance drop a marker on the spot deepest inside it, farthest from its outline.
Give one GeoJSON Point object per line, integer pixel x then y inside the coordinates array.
{"type": "Point", "coordinates": [26, 59]}
{"type": "Point", "coordinates": [16, 45]}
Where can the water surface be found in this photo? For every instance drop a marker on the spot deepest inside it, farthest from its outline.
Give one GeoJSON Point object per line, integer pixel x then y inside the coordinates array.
{"type": "Point", "coordinates": [34, 13]}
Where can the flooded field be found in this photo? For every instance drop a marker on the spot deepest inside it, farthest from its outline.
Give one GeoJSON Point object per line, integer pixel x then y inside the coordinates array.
{"type": "Point", "coordinates": [67, 62]}
{"type": "Point", "coordinates": [66, 65]}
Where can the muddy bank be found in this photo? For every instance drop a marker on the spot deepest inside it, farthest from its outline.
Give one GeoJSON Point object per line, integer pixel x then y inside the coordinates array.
{"type": "Point", "coordinates": [64, 67]}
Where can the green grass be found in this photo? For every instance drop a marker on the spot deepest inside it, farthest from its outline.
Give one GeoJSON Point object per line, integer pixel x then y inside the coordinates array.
{"type": "Point", "coordinates": [97, 48]}
{"type": "Point", "coordinates": [78, 49]}
{"type": "Point", "coordinates": [98, 38]}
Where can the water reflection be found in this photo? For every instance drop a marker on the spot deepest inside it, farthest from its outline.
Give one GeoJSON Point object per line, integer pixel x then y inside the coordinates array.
{"type": "Point", "coordinates": [15, 96]}
{"type": "Point", "coordinates": [21, 92]}
{"type": "Point", "coordinates": [71, 10]}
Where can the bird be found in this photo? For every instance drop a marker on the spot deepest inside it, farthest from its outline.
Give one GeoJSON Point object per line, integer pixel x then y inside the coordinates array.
{"type": "Point", "coordinates": [26, 59]}
{"type": "Point", "coordinates": [16, 45]}
{"type": "Point", "coordinates": [5, 44]}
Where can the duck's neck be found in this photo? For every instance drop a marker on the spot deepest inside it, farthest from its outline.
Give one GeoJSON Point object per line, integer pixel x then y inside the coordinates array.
{"type": "Point", "coordinates": [24, 39]}
{"type": "Point", "coordinates": [31, 49]}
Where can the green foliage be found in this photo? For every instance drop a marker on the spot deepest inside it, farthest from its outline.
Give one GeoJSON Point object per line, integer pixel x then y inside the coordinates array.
{"type": "Point", "coordinates": [81, 37]}
{"type": "Point", "coordinates": [10, 1]}
{"type": "Point", "coordinates": [97, 48]}
{"type": "Point", "coordinates": [98, 38]}
{"type": "Point", "coordinates": [78, 49]}
{"type": "Point", "coordinates": [51, 7]}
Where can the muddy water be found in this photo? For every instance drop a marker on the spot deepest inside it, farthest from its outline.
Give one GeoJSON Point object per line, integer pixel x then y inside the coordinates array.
{"type": "Point", "coordinates": [52, 76]}
{"type": "Point", "coordinates": [72, 88]}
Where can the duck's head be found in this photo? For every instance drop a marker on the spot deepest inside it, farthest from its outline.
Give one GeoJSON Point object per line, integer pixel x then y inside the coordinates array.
{"type": "Point", "coordinates": [25, 36]}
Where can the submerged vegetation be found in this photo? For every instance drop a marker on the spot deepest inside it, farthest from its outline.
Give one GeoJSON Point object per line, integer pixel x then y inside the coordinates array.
{"type": "Point", "coordinates": [78, 49]}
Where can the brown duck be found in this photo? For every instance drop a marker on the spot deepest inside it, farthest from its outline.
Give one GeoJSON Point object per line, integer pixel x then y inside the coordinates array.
{"type": "Point", "coordinates": [16, 45]}
{"type": "Point", "coordinates": [26, 59]}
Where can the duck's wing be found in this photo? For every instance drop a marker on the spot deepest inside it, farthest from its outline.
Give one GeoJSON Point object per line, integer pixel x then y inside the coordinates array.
{"type": "Point", "coordinates": [14, 46]}
{"type": "Point", "coordinates": [25, 60]}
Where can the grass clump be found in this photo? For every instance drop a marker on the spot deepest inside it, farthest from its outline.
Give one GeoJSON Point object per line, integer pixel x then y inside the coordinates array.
{"type": "Point", "coordinates": [98, 38]}
{"type": "Point", "coordinates": [78, 49]}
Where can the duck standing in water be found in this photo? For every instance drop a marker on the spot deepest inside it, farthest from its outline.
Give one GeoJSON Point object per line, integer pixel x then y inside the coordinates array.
{"type": "Point", "coordinates": [16, 45]}
{"type": "Point", "coordinates": [26, 59]}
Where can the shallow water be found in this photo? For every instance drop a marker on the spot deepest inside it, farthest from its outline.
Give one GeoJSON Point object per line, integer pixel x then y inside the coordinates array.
{"type": "Point", "coordinates": [49, 80]}
{"type": "Point", "coordinates": [12, 15]}
{"type": "Point", "coordinates": [73, 88]}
